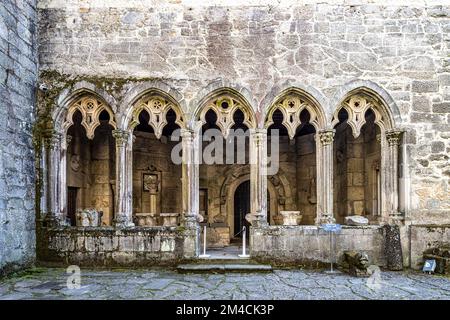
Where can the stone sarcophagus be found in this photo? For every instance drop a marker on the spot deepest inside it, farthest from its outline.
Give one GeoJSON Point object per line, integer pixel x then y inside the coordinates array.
{"type": "Point", "coordinates": [146, 219]}
{"type": "Point", "coordinates": [89, 218]}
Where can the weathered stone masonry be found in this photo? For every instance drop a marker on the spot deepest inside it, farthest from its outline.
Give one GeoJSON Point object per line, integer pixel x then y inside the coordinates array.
{"type": "Point", "coordinates": [328, 57]}
{"type": "Point", "coordinates": [18, 75]}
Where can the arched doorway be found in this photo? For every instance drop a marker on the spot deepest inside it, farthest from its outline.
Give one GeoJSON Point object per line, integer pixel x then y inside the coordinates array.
{"type": "Point", "coordinates": [241, 207]}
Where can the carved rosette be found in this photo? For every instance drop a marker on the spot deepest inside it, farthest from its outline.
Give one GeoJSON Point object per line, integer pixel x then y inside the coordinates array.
{"type": "Point", "coordinates": [224, 107]}
{"type": "Point", "coordinates": [121, 137]}
{"type": "Point", "coordinates": [90, 109]}
{"type": "Point", "coordinates": [326, 137]}
{"type": "Point", "coordinates": [291, 106]}
{"type": "Point", "coordinates": [393, 137]}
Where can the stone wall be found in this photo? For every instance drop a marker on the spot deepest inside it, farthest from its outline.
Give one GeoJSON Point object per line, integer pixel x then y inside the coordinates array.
{"type": "Point", "coordinates": [425, 237]}
{"type": "Point", "coordinates": [309, 245]}
{"type": "Point", "coordinates": [398, 52]}
{"type": "Point", "coordinates": [110, 247]}
{"type": "Point", "coordinates": [18, 72]}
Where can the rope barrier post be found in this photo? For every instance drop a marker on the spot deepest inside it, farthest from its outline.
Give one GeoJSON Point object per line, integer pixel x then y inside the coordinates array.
{"type": "Point", "coordinates": [204, 255]}
{"type": "Point", "coordinates": [244, 254]}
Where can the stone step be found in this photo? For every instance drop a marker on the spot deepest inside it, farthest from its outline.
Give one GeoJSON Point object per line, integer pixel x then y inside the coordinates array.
{"type": "Point", "coordinates": [224, 267]}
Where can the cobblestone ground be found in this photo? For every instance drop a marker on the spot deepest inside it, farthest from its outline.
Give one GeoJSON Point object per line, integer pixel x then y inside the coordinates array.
{"type": "Point", "coordinates": [163, 284]}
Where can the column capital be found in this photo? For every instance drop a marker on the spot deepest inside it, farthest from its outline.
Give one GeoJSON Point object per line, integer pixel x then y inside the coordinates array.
{"type": "Point", "coordinates": [66, 141]}
{"type": "Point", "coordinates": [393, 137]}
{"type": "Point", "coordinates": [326, 137]}
{"type": "Point", "coordinates": [121, 137]}
{"type": "Point", "coordinates": [258, 131]}
{"type": "Point", "coordinates": [51, 139]}
{"type": "Point", "coordinates": [187, 134]}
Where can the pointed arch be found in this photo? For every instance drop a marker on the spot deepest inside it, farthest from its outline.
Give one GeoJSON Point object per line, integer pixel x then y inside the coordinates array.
{"type": "Point", "coordinates": [224, 99]}
{"type": "Point", "coordinates": [357, 97]}
{"type": "Point", "coordinates": [291, 102]}
{"type": "Point", "coordinates": [90, 100]}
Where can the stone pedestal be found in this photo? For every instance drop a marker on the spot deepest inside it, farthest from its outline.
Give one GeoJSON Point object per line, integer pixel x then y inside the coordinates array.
{"type": "Point", "coordinates": [291, 218]}
{"type": "Point", "coordinates": [394, 256]}
{"type": "Point", "coordinates": [147, 219]}
{"type": "Point", "coordinates": [169, 219]}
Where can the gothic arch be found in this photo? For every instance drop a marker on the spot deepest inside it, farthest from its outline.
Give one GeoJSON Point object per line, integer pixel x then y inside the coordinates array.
{"type": "Point", "coordinates": [90, 101]}
{"type": "Point", "coordinates": [358, 96]}
{"type": "Point", "coordinates": [291, 102]}
{"type": "Point", "coordinates": [156, 102]}
{"type": "Point", "coordinates": [145, 90]}
{"type": "Point", "coordinates": [224, 101]}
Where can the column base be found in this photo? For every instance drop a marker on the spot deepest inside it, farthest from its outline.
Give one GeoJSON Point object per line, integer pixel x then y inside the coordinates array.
{"type": "Point", "coordinates": [191, 221]}
{"type": "Point", "coordinates": [396, 218]}
{"type": "Point", "coordinates": [325, 219]}
{"type": "Point", "coordinates": [52, 220]}
{"type": "Point", "coordinates": [122, 221]}
{"type": "Point", "coordinates": [257, 220]}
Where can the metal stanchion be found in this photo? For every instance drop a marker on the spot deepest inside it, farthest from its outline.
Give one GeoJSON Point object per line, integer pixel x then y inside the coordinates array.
{"type": "Point", "coordinates": [244, 254]}
{"type": "Point", "coordinates": [204, 255]}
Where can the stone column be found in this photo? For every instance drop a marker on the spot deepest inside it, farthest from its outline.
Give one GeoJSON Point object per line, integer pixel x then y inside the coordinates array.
{"type": "Point", "coordinates": [123, 218]}
{"type": "Point", "coordinates": [129, 176]}
{"type": "Point", "coordinates": [258, 178]}
{"type": "Point", "coordinates": [190, 179]}
{"type": "Point", "coordinates": [390, 172]}
{"type": "Point", "coordinates": [324, 158]}
{"type": "Point", "coordinates": [63, 175]}
{"type": "Point", "coordinates": [52, 145]}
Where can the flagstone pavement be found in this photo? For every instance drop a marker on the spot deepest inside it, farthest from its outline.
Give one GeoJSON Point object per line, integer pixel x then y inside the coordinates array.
{"type": "Point", "coordinates": [51, 283]}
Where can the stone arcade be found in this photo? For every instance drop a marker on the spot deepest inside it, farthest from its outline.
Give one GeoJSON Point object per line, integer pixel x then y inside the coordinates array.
{"type": "Point", "coordinates": [359, 96]}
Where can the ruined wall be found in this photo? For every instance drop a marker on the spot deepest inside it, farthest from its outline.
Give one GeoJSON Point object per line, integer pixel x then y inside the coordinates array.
{"type": "Point", "coordinates": [110, 247]}
{"type": "Point", "coordinates": [423, 237]}
{"type": "Point", "coordinates": [18, 72]}
{"type": "Point", "coordinates": [309, 245]}
{"type": "Point", "coordinates": [258, 45]}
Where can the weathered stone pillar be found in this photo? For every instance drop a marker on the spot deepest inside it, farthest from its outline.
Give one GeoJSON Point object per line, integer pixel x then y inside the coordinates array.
{"type": "Point", "coordinates": [52, 145]}
{"type": "Point", "coordinates": [390, 173]}
{"type": "Point", "coordinates": [190, 179]}
{"type": "Point", "coordinates": [258, 178]}
{"type": "Point", "coordinates": [63, 175]}
{"type": "Point", "coordinates": [324, 159]}
{"type": "Point", "coordinates": [122, 218]}
{"type": "Point", "coordinates": [129, 176]}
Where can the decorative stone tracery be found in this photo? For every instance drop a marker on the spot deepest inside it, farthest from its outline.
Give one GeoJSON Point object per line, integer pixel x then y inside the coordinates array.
{"type": "Point", "coordinates": [90, 109]}
{"type": "Point", "coordinates": [157, 108]}
{"type": "Point", "coordinates": [291, 106]}
{"type": "Point", "coordinates": [224, 107]}
{"type": "Point", "coordinates": [356, 107]}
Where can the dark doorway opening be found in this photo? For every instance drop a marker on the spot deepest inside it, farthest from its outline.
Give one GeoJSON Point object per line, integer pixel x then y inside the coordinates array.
{"type": "Point", "coordinates": [72, 205]}
{"type": "Point", "coordinates": [241, 208]}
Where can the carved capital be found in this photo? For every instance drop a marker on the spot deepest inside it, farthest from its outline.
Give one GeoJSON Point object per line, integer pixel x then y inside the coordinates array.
{"type": "Point", "coordinates": [52, 139]}
{"type": "Point", "coordinates": [187, 134]}
{"type": "Point", "coordinates": [326, 137]}
{"type": "Point", "coordinates": [393, 137]}
{"type": "Point", "coordinates": [121, 137]}
{"type": "Point", "coordinates": [66, 142]}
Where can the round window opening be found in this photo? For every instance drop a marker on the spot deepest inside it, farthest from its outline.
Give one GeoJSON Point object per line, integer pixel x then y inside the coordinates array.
{"type": "Point", "coordinates": [224, 105]}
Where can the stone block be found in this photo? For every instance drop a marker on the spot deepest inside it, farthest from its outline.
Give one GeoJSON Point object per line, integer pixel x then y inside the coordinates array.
{"type": "Point", "coordinates": [424, 86]}
{"type": "Point", "coordinates": [441, 107]}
